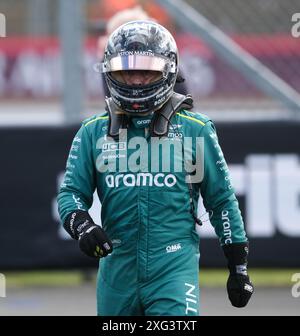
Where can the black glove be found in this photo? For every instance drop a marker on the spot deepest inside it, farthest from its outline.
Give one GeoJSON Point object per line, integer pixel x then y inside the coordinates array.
{"type": "Point", "coordinates": [239, 286]}
{"type": "Point", "coordinates": [93, 241]}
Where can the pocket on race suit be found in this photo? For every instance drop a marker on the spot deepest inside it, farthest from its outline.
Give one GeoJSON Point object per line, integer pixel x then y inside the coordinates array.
{"type": "Point", "coordinates": [118, 269]}
{"type": "Point", "coordinates": [180, 256]}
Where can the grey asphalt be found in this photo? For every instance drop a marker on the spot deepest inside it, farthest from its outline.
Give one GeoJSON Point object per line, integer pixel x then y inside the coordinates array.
{"type": "Point", "coordinates": [81, 300]}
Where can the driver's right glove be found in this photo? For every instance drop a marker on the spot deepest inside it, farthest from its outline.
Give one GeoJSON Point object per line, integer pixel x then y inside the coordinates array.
{"type": "Point", "coordinates": [93, 241]}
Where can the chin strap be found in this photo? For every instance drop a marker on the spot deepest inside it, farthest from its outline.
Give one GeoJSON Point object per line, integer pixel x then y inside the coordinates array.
{"type": "Point", "coordinates": [118, 120]}
{"type": "Point", "coordinates": [159, 126]}
{"type": "Point", "coordinates": [160, 123]}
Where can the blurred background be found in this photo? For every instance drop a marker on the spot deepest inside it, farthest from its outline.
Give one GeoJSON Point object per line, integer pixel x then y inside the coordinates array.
{"type": "Point", "coordinates": [241, 62]}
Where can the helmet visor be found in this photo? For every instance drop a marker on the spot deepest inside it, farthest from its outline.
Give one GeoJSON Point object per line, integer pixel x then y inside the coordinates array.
{"type": "Point", "coordinates": [139, 62]}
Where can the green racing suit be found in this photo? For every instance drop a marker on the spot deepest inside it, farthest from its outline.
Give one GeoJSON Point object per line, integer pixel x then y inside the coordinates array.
{"type": "Point", "coordinates": [154, 266]}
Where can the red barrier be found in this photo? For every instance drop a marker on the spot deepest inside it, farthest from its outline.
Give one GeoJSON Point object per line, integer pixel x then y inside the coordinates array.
{"type": "Point", "coordinates": [31, 67]}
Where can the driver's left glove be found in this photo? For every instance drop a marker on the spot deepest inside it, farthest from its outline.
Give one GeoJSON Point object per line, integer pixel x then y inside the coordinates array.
{"type": "Point", "coordinates": [239, 286]}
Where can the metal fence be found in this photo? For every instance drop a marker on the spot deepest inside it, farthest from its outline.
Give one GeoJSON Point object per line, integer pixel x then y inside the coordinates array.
{"type": "Point", "coordinates": [39, 61]}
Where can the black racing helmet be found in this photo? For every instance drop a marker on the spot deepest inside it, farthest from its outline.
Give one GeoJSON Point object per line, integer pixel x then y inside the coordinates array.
{"type": "Point", "coordinates": [141, 45]}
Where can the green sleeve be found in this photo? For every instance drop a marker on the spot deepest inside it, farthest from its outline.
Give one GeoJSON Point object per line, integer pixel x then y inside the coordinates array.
{"type": "Point", "coordinates": [77, 188]}
{"type": "Point", "coordinates": [217, 191]}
